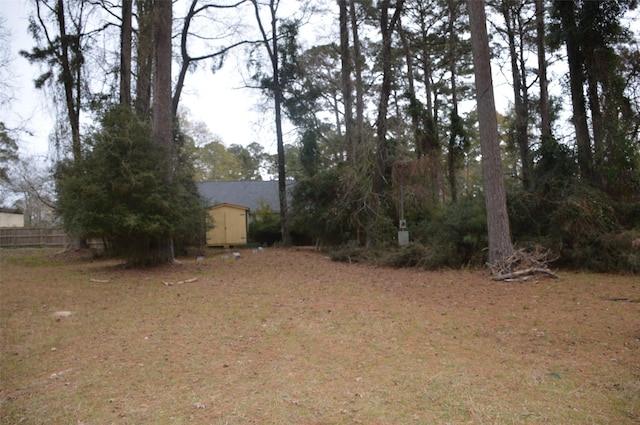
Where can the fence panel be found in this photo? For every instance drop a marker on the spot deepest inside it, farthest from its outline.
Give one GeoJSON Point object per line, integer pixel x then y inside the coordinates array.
{"type": "Point", "coordinates": [16, 237]}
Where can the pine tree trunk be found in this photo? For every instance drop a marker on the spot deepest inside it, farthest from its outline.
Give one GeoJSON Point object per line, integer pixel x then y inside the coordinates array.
{"type": "Point", "coordinates": [125, 53]}
{"type": "Point", "coordinates": [144, 58]}
{"type": "Point", "coordinates": [576, 81]}
{"type": "Point", "coordinates": [271, 45]}
{"type": "Point", "coordinates": [415, 113]}
{"type": "Point", "coordinates": [358, 60]}
{"type": "Point", "coordinates": [162, 119]}
{"type": "Point", "coordinates": [434, 150]}
{"type": "Point", "coordinates": [545, 113]}
{"type": "Point", "coordinates": [70, 81]}
{"type": "Point", "coordinates": [519, 95]}
{"type": "Point", "coordinates": [282, 175]}
{"type": "Point", "coordinates": [347, 91]}
{"type": "Point", "coordinates": [597, 119]}
{"type": "Point", "coordinates": [381, 123]}
{"type": "Point", "coordinates": [500, 245]}
{"type": "Point", "coordinates": [453, 128]}
{"type": "Point", "coordinates": [387, 26]}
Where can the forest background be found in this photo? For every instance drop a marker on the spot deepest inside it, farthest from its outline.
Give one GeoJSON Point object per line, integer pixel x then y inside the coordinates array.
{"type": "Point", "coordinates": [379, 117]}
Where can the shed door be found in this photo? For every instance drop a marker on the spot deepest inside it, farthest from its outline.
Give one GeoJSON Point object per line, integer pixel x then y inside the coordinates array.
{"type": "Point", "coordinates": [236, 227]}
{"type": "Point", "coordinates": [217, 235]}
{"type": "Point", "coordinates": [230, 227]}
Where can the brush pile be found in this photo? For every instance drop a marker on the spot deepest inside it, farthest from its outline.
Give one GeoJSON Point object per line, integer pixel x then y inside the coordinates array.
{"type": "Point", "coordinates": [521, 265]}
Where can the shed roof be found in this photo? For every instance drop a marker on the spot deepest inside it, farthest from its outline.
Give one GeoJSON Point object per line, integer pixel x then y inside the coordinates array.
{"type": "Point", "coordinates": [249, 193]}
{"type": "Point", "coordinates": [226, 204]}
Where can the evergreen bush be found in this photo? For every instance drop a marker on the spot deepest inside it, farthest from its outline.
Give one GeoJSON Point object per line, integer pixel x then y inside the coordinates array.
{"type": "Point", "coordinates": [322, 209]}
{"type": "Point", "coordinates": [456, 235]}
{"type": "Point", "coordinates": [118, 191]}
{"type": "Point", "coordinates": [265, 227]}
{"type": "Point", "coordinates": [582, 224]}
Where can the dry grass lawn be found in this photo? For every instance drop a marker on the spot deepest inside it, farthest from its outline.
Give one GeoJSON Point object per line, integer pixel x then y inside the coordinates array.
{"type": "Point", "coordinates": [289, 337]}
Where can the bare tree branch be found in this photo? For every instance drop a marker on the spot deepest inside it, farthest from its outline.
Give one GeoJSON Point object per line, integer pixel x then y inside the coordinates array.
{"type": "Point", "coordinates": [187, 59]}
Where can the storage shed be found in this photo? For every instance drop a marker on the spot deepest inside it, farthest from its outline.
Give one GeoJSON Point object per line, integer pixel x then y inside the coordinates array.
{"type": "Point", "coordinates": [229, 200]}
{"type": "Point", "coordinates": [230, 225]}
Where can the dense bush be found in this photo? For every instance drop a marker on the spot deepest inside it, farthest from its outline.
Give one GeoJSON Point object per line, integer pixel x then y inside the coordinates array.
{"type": "Point", "coordinates": [118, 191]}
{"type": "Point", "coordinates": [265, 228]}
{"type": "Point", "coordinates": [411, 255]}
{"type": "Point", "coordinates": [581, 225]}
{"type": "Point", "coordinates": [323, 208]}
{"type": "Point", "coordinates": [585, 227]}
{"type": "Point", "coordinates": [456, 235]}
{"type": "Point", "coordinates": [351, 252]}
{"type": "Point", "coordinates": [606, 252]}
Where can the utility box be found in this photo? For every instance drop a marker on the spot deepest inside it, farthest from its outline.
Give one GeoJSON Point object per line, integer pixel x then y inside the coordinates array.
{"type": "Point", "coordinates": [403, 233]}
{"type": "Point", "coordinates": [403, 237]}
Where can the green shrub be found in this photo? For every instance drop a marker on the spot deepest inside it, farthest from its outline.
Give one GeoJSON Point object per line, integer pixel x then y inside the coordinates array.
{"type": "Point", "coordinates": [582, 214]}
{"type": "Point", "coordinates": [119, 192]}
{"type": "Point", "coordinates": [411, 255]}
{"type": "Point", "coordinates": [323, 208]}
{"type": "Point", "coordinates": [607, 252]}
{"type": "Point", "coordinates": [265, 227]}
{"type": "Point", "coordinates": [456, 235]}
{"type": "Point", "coordinates": [350, 252]}
{"type": "Point", "coordinates": [584, 225]}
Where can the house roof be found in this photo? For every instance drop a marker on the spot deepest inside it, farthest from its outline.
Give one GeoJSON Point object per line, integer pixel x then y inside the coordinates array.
{"type": "Point", "coordinates": [11, 210]}
{"type": "Point", "coordinates": [249, 193]}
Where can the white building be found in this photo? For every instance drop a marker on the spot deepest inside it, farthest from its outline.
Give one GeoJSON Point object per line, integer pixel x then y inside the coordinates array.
{"type": "Point", "coordinates": [11, 218]}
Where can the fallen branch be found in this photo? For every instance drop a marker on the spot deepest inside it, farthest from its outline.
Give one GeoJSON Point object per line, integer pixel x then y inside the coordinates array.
{"type": "Point", "coordinates": [193, 279]}
{"type": "Point", "coordinates": [526, 272]}
{"type": "Point", "coordinates": [631, 300]}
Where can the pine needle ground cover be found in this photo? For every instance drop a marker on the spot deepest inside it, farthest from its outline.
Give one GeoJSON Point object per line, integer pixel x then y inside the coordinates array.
{"type": "Point", "coordinates": [289, 337]}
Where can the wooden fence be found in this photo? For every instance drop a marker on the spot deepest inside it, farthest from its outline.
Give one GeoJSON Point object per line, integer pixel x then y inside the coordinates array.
{"type": "Point", "coordinates": [17, 237]}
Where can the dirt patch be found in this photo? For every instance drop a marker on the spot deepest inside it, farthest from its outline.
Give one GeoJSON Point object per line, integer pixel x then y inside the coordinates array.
{"type": "Point", "coordinates": [287, 336]}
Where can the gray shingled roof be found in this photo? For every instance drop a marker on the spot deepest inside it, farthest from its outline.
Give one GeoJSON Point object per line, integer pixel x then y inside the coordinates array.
{"type": "Point", "coordinates": [246, 193]}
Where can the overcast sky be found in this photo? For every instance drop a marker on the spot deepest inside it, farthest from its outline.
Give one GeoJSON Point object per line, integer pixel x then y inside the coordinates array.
{"type": "Point", "coordinates": [216, 99]}
{"type": "Point", "coordinates": [25, 108]}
